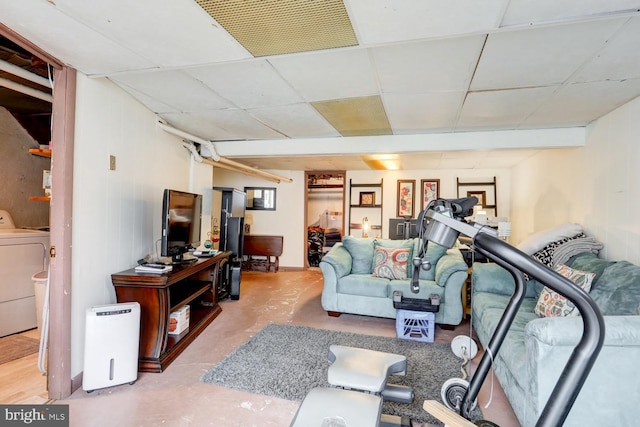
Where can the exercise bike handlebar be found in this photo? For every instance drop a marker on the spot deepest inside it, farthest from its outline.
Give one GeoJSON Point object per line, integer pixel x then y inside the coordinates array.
{"type": "Point", "coordinates": [444, 230]}
{"type": "Point", "coordinates": [584, 355]}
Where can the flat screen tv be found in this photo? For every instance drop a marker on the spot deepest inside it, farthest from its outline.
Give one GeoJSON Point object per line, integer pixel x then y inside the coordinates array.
{"type": "Point", "coordinates": [181, 219]}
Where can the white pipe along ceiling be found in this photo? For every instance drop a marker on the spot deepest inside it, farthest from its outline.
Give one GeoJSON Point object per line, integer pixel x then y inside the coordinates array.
{"type": "Point", "coordinates": [216, 160]}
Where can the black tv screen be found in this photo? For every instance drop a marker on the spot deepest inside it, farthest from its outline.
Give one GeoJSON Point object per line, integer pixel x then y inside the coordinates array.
{"type": "Point", "coordinates": [181, 219]}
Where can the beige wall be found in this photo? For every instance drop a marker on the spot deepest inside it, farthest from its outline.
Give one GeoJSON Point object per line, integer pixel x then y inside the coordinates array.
{"type": "Point", "coordinates": [547, 189]}
{"type": "Point", "coordinates": [612, 182]}
{"type": "Point", "coordinates": [117, 214]}
{"type": "Point", "coordinates": [596, 186]}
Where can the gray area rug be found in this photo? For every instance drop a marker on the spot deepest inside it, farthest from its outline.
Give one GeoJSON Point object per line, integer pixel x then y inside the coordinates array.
{"type": "Point", "coordinates": [287, 361]}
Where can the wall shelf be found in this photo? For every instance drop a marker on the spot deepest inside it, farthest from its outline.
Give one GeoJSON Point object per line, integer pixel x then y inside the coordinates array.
{"type": "Point", "coordinates": [375, 208]}
{"type": "Point", "coordinates": [40, 152]}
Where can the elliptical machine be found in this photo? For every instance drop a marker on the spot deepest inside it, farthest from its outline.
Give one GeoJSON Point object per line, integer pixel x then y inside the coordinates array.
{"type": "Point", "coordinates": [442, 222]}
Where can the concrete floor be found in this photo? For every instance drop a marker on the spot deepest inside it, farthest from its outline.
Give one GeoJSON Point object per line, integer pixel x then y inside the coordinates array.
{"type": "Point", "coordinates": [176, 397]}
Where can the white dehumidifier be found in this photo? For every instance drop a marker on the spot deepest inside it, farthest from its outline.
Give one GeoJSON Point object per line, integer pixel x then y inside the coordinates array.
{"type": "Point", "coordinates": [111, 341]}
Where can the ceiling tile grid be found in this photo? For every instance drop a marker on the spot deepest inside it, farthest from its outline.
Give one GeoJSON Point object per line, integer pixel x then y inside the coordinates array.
{"type": "Point", "coordinates": [385, 21]}
{"type": "Point", "coordinates": [326, 75]}
{"type": "Point", "coordinates": [441, 65]}
{"type": "Point", "coordinates": [433, 66]}
{"type": "Point", "coordinates": [247, 84]}
{"type": "Point", "coordinates": [540, 56]}
{"type": "Point", "coordinates": [174, 88]}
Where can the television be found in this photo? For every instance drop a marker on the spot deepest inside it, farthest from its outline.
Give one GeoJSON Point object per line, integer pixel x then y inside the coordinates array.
{"type": "Point", "coordinates": [181, 222]}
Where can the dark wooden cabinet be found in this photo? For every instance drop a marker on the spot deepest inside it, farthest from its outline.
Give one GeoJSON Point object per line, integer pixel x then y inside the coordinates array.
{"type": "Point", "coordinates": [159, 295]}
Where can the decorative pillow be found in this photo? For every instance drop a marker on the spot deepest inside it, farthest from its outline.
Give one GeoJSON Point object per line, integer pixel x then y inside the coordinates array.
{"type": "Point", "coordinates": [391, 263]}
{"type": "Point", "coordinates": [537, 241]}
{"type": "Point", "coordinates": [552, 304]}
{"type": "Point", "coordinates": [545, 255]}
{"type": "Point", "coordinates": [394, 244]}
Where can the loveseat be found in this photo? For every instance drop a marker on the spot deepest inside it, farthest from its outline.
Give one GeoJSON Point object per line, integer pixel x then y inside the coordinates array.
{"type": "Point", "coordinates": [536, 348]}
{"type": "Point", "coordinates": [353, 284]}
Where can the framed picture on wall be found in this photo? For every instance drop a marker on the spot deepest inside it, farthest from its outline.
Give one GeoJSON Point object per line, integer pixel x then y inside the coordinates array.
{"type": "Point", "coordinates": [406, 197]}
{"type": "Point", "coordinates": [430, 191]}
{"type": "Point", "coordinates": [481, 195]}
{"type": "Point", "coordinates": [367, 198]}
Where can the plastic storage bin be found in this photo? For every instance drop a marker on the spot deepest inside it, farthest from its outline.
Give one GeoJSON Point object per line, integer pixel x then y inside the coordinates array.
{"type": "Point", "coordinates": [415, 325]}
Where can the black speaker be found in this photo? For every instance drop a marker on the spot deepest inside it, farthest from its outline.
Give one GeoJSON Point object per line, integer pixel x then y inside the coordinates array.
{"type": "Point", "coordinates": [235, 282]}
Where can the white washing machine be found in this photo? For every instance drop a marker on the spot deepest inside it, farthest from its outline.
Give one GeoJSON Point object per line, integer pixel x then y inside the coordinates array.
{"type": "Point", "coordinates": [23, 253]}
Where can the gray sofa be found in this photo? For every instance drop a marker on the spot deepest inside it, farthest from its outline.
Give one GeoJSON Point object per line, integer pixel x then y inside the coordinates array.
{"type": "Point", "coordinates": [536, 348]}
{"type": "Point", "coordinates": [350, 285]}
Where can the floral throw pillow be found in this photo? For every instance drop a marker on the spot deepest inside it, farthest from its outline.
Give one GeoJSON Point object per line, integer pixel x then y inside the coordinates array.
{"type": "Point", "coordinates": [552, 304]}
{"type": "Point", "coordinates": [390, 263]}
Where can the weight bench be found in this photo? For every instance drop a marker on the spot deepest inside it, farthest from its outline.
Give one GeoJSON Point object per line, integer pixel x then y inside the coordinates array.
{"type": "Point", "coordinates": [358, 380]}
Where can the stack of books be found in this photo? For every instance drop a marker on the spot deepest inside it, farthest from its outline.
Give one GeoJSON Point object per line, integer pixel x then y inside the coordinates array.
{"type": "Point", "coordinates": [179, 320]}
{"type": "Point", "coordinates": [153, 268]}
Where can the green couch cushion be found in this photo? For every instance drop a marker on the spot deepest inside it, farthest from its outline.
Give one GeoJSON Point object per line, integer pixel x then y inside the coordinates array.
{"type": "Point", "coordinates": [365, 285]}
{"type": "Point", "coordinates": [617, 292]}
{"type": "Point", "coordinates": [589, 262]}
{"type": "Point", "coordinates": [361, 251]}
{"type": "Point", "coordinates": [434, 253]}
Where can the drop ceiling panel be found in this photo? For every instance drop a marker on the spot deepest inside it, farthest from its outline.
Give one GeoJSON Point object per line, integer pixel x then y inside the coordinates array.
{"type": "Point", "coordinates": [522, 12]}
{"type": "Point", "coordinates": [505, 109]}
{"type": "Point", "coordinates": [355, 116]}
{"type": "Point", "coordinates": [411, 113]}
{"type": "Point", "coordinates": [174, 88]}
{"type": "Point", "coordinates": [540, 56]}
{"type": "Point", "coordinates": [69, 40]}
{"type": "Point", "coordinates": [343, 73]}
{"type": "Point", "coordinates": [247, 84]}
{"type": "Point", "coordinates": [295, 121]}
{"type": "Point", "coordinates": [150, 102]}
{"type": "Point", "coordinates": [284, 26]}
{"type": "Point", "coordinates": [224, 125]}
{"type": "Point", "coordinates": [176, 34]}
{"type": "Point", "coordinates": [440, 65]}
{"type": "Point", "coordinates": [619, 59]}
{"type": "Point", "coordinates": [195, 124]}
{"type": "Point", "coordinates": [383, 21]}
{"type": "Point", "coordinates": [571, 104]}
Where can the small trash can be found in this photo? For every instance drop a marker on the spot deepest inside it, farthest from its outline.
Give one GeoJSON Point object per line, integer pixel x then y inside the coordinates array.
{"type": "Point", "coordinates": [40, 287]}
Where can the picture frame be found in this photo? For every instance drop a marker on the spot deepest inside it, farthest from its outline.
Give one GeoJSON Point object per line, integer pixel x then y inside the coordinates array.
{"type": "Point", "coordinates": [367, 198]}
{"type": "Point", "coordinates": [430, 190]}
{"type": "Point", "coordinates": [406, 198]}
{"type": "Point", "coordinates": [481, 195]}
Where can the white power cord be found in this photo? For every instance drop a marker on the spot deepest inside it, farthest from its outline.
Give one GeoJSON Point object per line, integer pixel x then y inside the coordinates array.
{"type": "Point", "coordinates": [44, 332]}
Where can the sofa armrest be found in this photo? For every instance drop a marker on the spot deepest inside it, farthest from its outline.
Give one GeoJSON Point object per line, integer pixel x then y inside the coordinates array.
{"type": "Point", "coordinates": [549, 343]}
{"type": "Point", "coordinates": [448, 264]}
{"type": "Point", "coordinates": [566, 331]}
{"type": "Point", "coordinates": [490, 277]}
{"type": "Point", "coordinates": [339, 259]}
